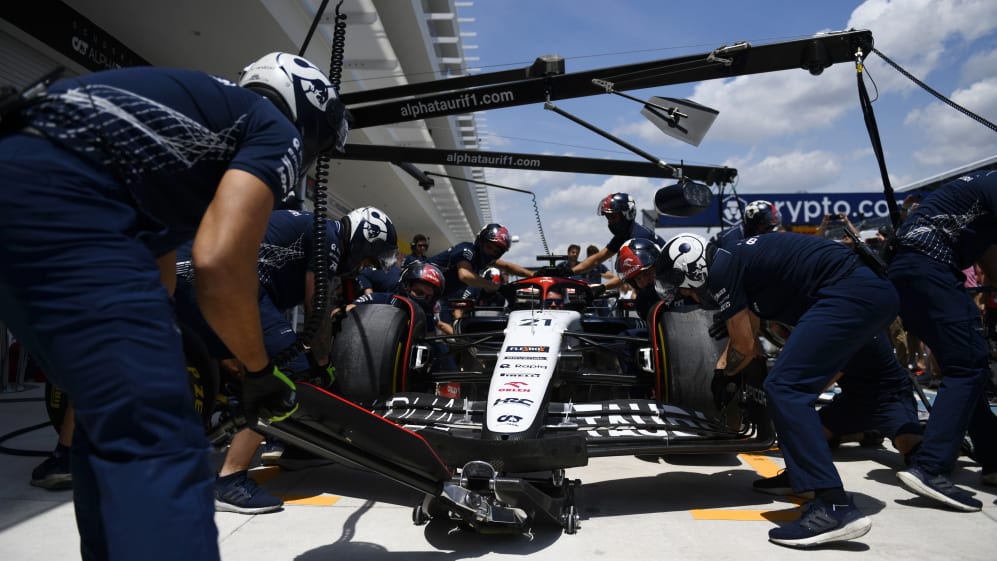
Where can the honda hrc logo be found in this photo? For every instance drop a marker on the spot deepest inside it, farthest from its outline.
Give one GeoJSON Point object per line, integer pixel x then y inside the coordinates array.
{"type": "Point", "coordinates": [513, 401]}
{"type": "Point", "coordinates": [527, 349]}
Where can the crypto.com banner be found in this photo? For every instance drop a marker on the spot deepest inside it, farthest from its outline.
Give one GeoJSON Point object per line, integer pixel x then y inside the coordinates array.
{"type": "Point", "coordinates": [796, 208]}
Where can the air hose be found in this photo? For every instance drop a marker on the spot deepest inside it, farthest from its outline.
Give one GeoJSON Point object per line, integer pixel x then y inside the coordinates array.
{"type": "Point", "coordinates": [320, 300]}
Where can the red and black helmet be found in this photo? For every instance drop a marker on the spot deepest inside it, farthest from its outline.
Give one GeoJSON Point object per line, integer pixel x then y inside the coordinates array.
{"type": "Point", "coordinates": [636, 255]}
{"type": "Point", "coordinates": [761, 217]}
{"type": "Point", "coordinates": [425, 273]}
{"type": "Point", "coordinates": [492, 274]}
{"type": "Point", "coordinates": [497, 234]}
{"type": "Point", "coordinates": [618, 203]}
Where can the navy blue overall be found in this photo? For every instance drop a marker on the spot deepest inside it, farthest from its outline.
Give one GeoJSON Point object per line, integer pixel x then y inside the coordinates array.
{"type": "Point", "coordinates": [876, 394]}
{"type": "Point", "coordinates": [285, 256]}
{"type": "Point", "coordinates": [948, 232]}
{"type": "Point", "coordinates": [836, 304]}
{"type": "Point", "coordinates": [116, 170]}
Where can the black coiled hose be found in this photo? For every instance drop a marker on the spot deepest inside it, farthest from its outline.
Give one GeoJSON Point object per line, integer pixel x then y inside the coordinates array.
{"type": "Point", "coordinates": [320, 299]}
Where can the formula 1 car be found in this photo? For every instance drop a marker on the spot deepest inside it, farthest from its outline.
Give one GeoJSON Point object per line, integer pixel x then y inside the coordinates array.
{"type": "Point", "coordinates": [487, 428]}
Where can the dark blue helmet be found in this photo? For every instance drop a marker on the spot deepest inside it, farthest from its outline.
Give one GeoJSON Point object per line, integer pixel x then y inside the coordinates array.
{"type": "Point", "coordinates": [761, 217]}
{"type": "Point", "coordinates": [618, 203]}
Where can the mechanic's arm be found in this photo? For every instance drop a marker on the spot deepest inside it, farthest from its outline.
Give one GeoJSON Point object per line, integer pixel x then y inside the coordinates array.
{"type": "Point", "coordinates": [592, 260]}
{"type": "Point", "coordinates": [614, 282]}
{"type": "Point", "coordinates": [444, 327]}
{"type": "Point", "coordinates": [466, 275]}
{"type": "Point", "coordinates": [513, 269]}
{"type": "Point", "coordinates": [226, 248]}
{"type": "Point", "coordinates": [741, 346]}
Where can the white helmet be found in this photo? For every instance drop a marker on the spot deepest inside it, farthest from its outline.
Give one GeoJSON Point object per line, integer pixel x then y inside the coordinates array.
{"type": "Point", "coordinates": [682, 263]}
{"type": "Point", "coordinates": [304, 94]}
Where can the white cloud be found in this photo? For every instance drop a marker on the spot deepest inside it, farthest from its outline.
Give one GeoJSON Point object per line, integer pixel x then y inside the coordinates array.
{"type": "Point", "coordinates": [913, 33]}
{"type": "Point", "coordinates": [916, 33]}
{"type": "Point", "coordinates": [953, 138]}
{"type": "Point", "coordinates": [980, 66]}
{"type": "Point", "coordinates": [790, 172]}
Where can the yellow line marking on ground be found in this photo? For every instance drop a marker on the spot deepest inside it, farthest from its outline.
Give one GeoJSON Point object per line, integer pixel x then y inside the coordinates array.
{"type": "Point", "coordinates": [761, 463]}
{"type": "Point", "coordinates": [317, 500]}
{"type": "Point", "coordinates": [747, 515]}
{"type": "Point", "coordinates": [264, 474]}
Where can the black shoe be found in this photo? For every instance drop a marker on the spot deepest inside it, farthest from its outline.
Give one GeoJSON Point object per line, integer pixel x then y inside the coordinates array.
{"type": "Point", "coordinates": [938, 488]}
{"type": "Point", "coordinates": [871, 439]}
{"type": "Point", "coordinates": [239, 493]}
{"type": "Point", "coordinates": [53, 474]}
{"type": "Point", "coordinates": [822, 523]}
{"type": "Point", "coordinates": [779, 485]}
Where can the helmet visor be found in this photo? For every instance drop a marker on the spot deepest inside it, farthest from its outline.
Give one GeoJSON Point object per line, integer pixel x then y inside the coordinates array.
{"type": "Point", "coordinates": [387, 259]}
{"type": "Point", "coordinates": [338, 118]}
{"type": "Point", "coordinates": [665, 289]}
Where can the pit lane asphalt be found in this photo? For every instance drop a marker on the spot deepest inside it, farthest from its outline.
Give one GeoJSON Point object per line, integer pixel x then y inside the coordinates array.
{"type": "Point", "coordinates": [685, 508]}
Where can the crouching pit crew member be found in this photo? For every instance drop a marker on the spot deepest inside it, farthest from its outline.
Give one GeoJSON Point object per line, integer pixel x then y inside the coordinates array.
{"type": "Point", "coordinates": [836, 304]}
{"type": "Point", "coordinates": [108, 175]}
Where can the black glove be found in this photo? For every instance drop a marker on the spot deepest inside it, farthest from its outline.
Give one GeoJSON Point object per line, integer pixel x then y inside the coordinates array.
{"type": "Point", "coordinates": [724, 387]}
{"type": "Point", "coordinates": [323, 376]}
{"type": "Point", "coordinates": [336, 321]}
{"type": "Point", "coordinates": [719, 328]}
{"type": "Point", "coordinates": [270, 393]}
{"type": "Point", "coordinates": [597, 290]}
{"type": "Point", "coordinates": [563, 271]}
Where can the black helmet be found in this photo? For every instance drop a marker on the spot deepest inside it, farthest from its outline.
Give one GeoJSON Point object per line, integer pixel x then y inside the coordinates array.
{"type": "Point", "coordinates": [303, 93]}
{"type": "Point", "coordinates": [426, 273]}
{"type": "Point", "coordinates": [761, 217]}
{"type": "Point", "coordinates": [368, 234]}
{"type": "Point", "coordinates": [618, 203]}
{"type": "Point", "coordinates": [497, 234]}
{"type": "Point", "coordinates": [636, 256]}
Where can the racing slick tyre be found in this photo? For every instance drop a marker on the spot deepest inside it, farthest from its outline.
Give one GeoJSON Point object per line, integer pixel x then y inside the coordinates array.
{"type": "Point", "coordinates": [202, 375]}
{"type": "Point", "coordinates": [687, 357]}
{"type": "Point", "coordinates": [371, 351]}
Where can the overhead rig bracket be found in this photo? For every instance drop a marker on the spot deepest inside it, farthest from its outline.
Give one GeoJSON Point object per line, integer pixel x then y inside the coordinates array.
{"type": "Point", "coordinates": [545, 80]}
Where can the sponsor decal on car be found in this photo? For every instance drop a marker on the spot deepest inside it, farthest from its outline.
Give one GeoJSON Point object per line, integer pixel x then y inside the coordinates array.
{"type": "Point", "coordinates": [513, 401]}
{"type": "Point", "coordinates": [520, 374]}
{"type": "Point", "coordinates": [515, 387]}
{"type": "Point", "coordinates": [524, 357]}
{"type": "Point", "coordinates": [527, 349]}
{"type": "Point", "coordinates": [519, 365]}
{"type": "Point", "coordinates": [449, 390]}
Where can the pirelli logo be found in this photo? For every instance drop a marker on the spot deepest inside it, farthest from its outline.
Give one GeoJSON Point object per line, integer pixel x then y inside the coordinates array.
{"type": "Point", "coordinates": [527, 349]}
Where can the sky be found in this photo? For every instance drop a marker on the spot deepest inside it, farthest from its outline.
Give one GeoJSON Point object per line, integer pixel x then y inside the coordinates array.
{"type": "Point", "coordinates": [785, 132]}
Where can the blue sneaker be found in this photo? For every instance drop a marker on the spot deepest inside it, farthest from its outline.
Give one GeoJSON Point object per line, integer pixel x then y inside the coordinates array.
{"type": "Point", "coordinates": [239, 493]}
{"type": "Point", "coordinates": [938, 488]}
{"type": "Point", "coordinates": [822, 523]}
